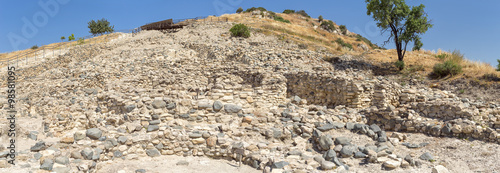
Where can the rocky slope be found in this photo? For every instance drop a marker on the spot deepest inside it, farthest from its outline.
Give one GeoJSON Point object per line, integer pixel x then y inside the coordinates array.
{"type": "Point", "coordinates": [262, 101]}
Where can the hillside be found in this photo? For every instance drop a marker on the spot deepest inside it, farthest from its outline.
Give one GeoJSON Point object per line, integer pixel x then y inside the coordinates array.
{"type": "Point", "coordinates": [275, 102]}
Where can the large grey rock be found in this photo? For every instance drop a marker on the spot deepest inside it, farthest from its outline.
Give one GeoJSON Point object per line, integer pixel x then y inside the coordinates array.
{"type": "Point", "coordinates": [218, 105]}
{"type": "Point", "coordinates": [347, 151]}
{"type": "Point", "coordinates": [153, 128]}
{"type": "Point", "coordinates": [382, 137]}
{"type": "Point", "coordinates": [375, 128]}
{"type": "Point", "coordinates": [325, 127]}
{"type": "Point", "coordinates": [325, 142]}
{"type": "Point", "coordinates": [349, 125]}
{"type": "Point", "coordinates": [232, 108]}
{"type": "Point", "coordinates": [94, 133]}
{"type": "Point", "coordinates": [153, 152]}
{"type": "Point", "coordinates": [158, 104]}
{"type": "Point", "coordinates": [343, 140]}
{"type": "Point", "coordinates": [87, 153]}
{"type": "Point", "coordinates": [47, 164]}
{"type": "Point", "coordinates": [330, 154]}
{"type": "Point", "coordinates": [38, 146]}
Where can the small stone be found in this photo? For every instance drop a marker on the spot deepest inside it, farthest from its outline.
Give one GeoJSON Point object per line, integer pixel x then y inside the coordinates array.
{"type": "Point", "coordinates": [343, 141]}
{"type": "Point", "coordinates": [76, 155]}
{"type": "Point", "coordinates": [329, 155]}
{"type": "Point", "coordinates": [78, 136]}
{"type": "Point", "coordinates": [279, 165]}
{"type": "Point", "coordinates": [427, 156]}
{"type": "Point", "coordinates": [140, 171]}
{"type": "Point", "coordinates": [349, 125]}
{"type": "Point", "coordinates": [33, 135]}
{"type": "Point", "coordinates": [325, 127]}
{"type": "Point", "coordinates": [122, 139]}
{"type": "Point", "coordinates": [38, 146]}
{"type": "Point", "coordinates": [153, 128]}
{"type": "Point", "coordinates": [153, 152]}
{"type": "Point", "coordinates": [130, 108]}
{"type": "Point", "coordinates": [231, 108]}
{"type": "Point", "coordinates": [391, 164]}
{"type": "Point", "coordinates": [296, 99]}
{"type": "Point", "coordinates": [347, 151]}
{"type": "Point", "coordinates": [325, 142]}
{"type": "Point", "coordinates": [37, 156]}
{"type": "Point", "coordinates": [87, 153]}
{"type": "Point", "coordinates": [440, 169]}
{"type": "Point", "coordinates": [182, 163]}
{"type": "Point", "coordinates": [94, 133]}
{"type": "Point", "coordinates": [62, 160]}
{"type": "Point", "coordinates": [47, 164]}
{"type": "Point", "coordinates": [158, 104]}
{"type": "Point", "coordinates": [359, 154]}
{"type": "Point", "coordinates": [117, 154]}
{"type": "Point", "coordinates": [67, 140]}
{"type": "Point", "coordinates": [217, 105]}
{"type": "Point", "coordinates": [375, 128]}
{"type": "Point", "coordinates": [154, 122]}
{"type": "Point", "coordinates": [327, 165]}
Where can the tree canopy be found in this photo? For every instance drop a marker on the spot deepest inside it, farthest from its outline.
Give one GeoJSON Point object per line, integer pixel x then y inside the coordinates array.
{"type": "Point", "coordinates": [405, 24]}
{"type": "Point", "coordinates": [100, 27]}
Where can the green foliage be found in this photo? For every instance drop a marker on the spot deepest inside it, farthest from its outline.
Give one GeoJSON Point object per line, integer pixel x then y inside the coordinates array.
{"type": "Point", "coordinates": [34, 47]}
{"type": "Point", "coordinates": [343, 29]}
{"type": "Point", "coordinates": [498, 66]}
{"type": "Point", "coordinates": [442, 56]}
{"type": "Point", "coordinates": [303, 13]}
{"type": "Point", "coordinates": [400, 65]}
{"type": "Point", "coordinates": [361, 38]}
{"type": "Point", "coordinates": [239, 10]}
{"type": "Point", "coordinates": [288, 11]}
{"type": "Point", "coordinates": [449, 67]}
{"type": "Point", "coordinates": [491, 77]}
{"type": "Point", "coordinates": [343, 44]}
{"type": "Point", "coordinates": [62, 38]}
{"type": "Point", "coordinates": [328, 25]}
{"type": "Point", "coordinates": [240, 30]}
{"type": "Point", "coordinates": [100, 27]}
{"type": "Point", "coordinates": [71, 37]}
{"type": "Point", "coordinates": [80, 41]}
{"type": "Point", "coordinates": [320, 18]}
{"type": "Point", "coordinates": [404, 23]}
{"type": "Point", "coordinates": [279, 18]}
{"type": "Point", "coordinates": [253, 9]}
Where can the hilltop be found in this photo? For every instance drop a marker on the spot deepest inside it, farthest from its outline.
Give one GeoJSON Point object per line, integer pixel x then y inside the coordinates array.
{"type": "Point", "coordinates": [286, 99]}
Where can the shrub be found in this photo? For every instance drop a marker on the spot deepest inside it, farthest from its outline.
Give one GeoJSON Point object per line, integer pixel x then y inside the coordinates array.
{"type": "Point", "coordinates": [279, 18]}
{"type": "Point", "coordinates": [491, 77]}
{"type": "Point", "coordinates": [71, 37]}
{"type": "Point", "coordinates": [34, 47]}
{"type": "Point", "coordinates": [100, 27]}
{"type": "Point", "coordinates": [343, 29]}
{"type": "Point", "coordinates": [342, 43]}
{"type": "Point", "coordinates": [442, 56]}
{"type": "Point", "coordinates": [239, 10]}
{"type": "Point", "coordinates": [328, 25]}
{"type": "Point", "coordinates": [303, 13]}
{"type": "Point", "coordinates": [400, 65]}
{"type": "Point", "coordinates": [240, 30]}
{"type": "Point", "coordinates": [253, 9]}
{"type": "Point", "coordinates": [449, 67]}
{"type": "Point", "coordinates": [320, 18]}
{"type": "Point", "coordinates": [62, 38]}
{"type": "Point", "coordinates": [498, 66]}
{"type": "Point", "coordinates": [80, 41]}
{"type": "Point", "coordinates": [288, 11]}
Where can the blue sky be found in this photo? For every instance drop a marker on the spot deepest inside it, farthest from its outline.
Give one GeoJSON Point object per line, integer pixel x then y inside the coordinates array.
{"type": "Point", "coordinates": [469, 26]}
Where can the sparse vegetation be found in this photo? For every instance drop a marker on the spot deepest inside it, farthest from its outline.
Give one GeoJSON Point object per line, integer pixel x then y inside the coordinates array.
{"type": "Point", "coordinates": [328, 25]}
{"type": "Point", "coordinates": [449, 67]}
{"type": "Point", "coordinates": [320, 19]}
{"type": "Point", "coordinates": [343, 29]}
{"type": "Point", "coordinates": [239, 10]}
{"type": "Point", "coordinates": [491, 77]}
{"type": "Point", "coordinates": [62, 38]}
{"type": "Point", "coordinates": [361, 38]}
{"type": "Point", "coordinates": [442, 56]}
{"type": "Point", "coordinates": [240, 30]}
{"type": "Point", "coordinates": [342, 43]}
{"type": "Point", "coordinates": [279, 18]}
{"type": "Point", "coordinates": [303, 13]}
{"type": "Point", "coordinates": [100, 27]}
{"type": "Point", "coordinates": [288, 11]}
{"type": "Point", "coordinates": [34, 47]}
{"type": "Point", "coordinates": [498, 66]}
{"type": "Point", "coordinates": [400, 65]}
{"type": "Point", "coordinates": [253, 9]}
{"type": "Point", "coordinates": [80, 41]}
